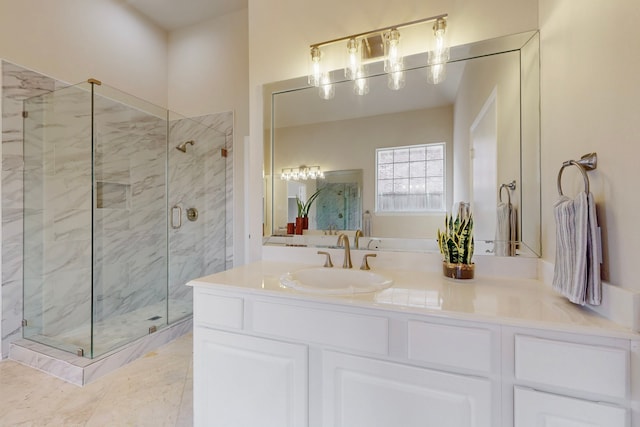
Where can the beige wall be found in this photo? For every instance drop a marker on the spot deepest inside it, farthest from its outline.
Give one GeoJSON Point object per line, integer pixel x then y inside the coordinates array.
{"type": "Point", "coordinates": [590, 91]}
{"type": "Point", "coordinates": [281, 31]}
{"type": "Point", "coordinates": [209, 73]}
{"type": "Point", "coordinates": [72, 40]}
{"type": "Point", "coordinates": [209, 68]}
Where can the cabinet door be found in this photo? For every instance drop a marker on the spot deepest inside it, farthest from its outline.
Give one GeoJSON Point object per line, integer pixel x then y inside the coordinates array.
{"type": "Point", "coordinates": [247, 381]}
{"type": "Point", "coordinates": [537, 409]}
{"type": "Point", "coordinates": [364, 392]}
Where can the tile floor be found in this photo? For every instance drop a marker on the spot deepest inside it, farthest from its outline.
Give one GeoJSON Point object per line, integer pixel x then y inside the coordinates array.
{"type": "Point", "coordinates": [155, 390]}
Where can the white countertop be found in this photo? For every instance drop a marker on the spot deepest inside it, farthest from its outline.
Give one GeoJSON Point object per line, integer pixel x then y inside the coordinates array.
{"type": "Point", "coordinates": [500, 300]}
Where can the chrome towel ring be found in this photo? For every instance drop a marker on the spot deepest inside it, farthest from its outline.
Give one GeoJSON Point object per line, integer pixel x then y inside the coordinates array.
{"type": "Point", "coordinates": [586, 163]}
{"type": "Point", "coordinates": [510, 187]}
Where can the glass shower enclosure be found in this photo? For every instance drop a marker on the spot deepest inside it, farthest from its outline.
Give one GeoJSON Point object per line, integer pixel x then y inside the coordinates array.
{"type": "Point", "coordinates": [124, 202]}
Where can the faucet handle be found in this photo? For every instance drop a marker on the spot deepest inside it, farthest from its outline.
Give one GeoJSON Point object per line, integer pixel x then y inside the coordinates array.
{"type": "Point", "coordinates": [365, 263]}
{"type": "Point", "coordinates": [327, 262]}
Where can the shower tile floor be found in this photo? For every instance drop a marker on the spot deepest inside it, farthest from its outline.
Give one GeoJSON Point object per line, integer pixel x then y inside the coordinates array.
{"type": "Point", "coordinates": [155, 390]}
{"type": "Point", "coordinates": [118, 330]}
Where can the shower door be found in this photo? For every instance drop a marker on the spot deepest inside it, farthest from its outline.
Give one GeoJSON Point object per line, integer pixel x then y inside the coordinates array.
{"type": "Point", "coordinates": [197, 197]}
{"type": "Point", "coordinates": [57, 215]}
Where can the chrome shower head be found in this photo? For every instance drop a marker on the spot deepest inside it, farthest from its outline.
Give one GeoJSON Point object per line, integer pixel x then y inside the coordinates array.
{"type": "Point", "coordinates": [183, 147]}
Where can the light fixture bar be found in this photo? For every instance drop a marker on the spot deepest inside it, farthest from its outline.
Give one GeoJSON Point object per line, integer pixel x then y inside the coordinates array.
{"type": "Point", "coordinates": [380, 30]}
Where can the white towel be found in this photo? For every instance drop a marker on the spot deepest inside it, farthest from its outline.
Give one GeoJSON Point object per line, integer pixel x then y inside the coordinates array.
{"type": "Point", "coordinates": [577, 270]}
{"type": "Point", "coordinates": [506, 230]}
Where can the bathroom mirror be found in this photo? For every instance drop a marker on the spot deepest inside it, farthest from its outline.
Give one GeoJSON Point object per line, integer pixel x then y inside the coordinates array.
{"type": "Point", "coordinates": [485, 115]}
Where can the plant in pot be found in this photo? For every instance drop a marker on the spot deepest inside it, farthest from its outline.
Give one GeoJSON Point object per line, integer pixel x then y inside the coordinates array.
{"type": "Point", "coordinates": [456, 245]}
{"type": "Point", "coordinates": [302, 220]}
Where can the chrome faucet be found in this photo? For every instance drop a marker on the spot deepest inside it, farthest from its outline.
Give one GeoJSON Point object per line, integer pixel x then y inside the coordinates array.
{"type": "Point", "coordinates": [344, 240]}
{"type": "Point", "coordinates": [356, 240]}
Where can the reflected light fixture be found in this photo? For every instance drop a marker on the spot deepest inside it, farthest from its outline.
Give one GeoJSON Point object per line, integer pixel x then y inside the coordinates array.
{"type": "Point", "coordinates": [361, 85]}
{"type": "Point", "coordinates": [301, 173]}
{"type": "Point", "coordinates": [379, 45]}
{"type": "Point", "coordinates": [326, 89]}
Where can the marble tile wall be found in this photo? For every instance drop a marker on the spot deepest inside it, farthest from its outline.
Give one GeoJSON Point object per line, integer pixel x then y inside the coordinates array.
{"type": "Point", "coordinates": [130, 236]}
{"type": "Point", "coordinates": [198, 179]}
{"type": "Point", "coordinates": [17, 85]}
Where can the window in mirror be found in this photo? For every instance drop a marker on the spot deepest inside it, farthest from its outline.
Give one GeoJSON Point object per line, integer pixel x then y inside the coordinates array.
{"type": "Point", "coordinates": [410, 178]}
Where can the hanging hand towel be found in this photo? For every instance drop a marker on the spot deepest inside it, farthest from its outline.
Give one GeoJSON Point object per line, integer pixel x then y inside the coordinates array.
{"type": "Point", "coordinates": [503, 230]}
{"type": "Point", "coordinates": [506, 230]}
{"type": "Point", "coordinates": [577, 269]}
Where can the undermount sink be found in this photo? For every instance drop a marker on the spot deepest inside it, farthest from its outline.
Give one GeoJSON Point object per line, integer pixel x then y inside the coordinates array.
{"type": "Point", "coordinates": [335, 281]}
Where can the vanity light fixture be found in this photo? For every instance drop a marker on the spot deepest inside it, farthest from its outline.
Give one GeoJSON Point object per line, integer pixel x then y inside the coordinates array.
{"type": "Point", "coordinates": [439, 56]}
{"type": "Point", "coordinates": [353, 60]}
{"type": "Point", "coordinates": [393, 61]}
{"type": "Point", "coordinates": [319, 77]}
{"type": "Point", "coordinates": [378, 45]}
{"type": "Point", "coordinates": [315, 72]}
{"type": "Point", "coordinates": [301, 173]}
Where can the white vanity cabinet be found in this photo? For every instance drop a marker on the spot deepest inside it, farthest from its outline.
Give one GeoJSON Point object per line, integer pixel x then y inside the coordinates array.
{"type": "Point", "coordinates": [572, 380]}
{"type": "Point", "coordinates": [268, 356]}
{"type": "Point", "coordinates": [276, 362]}
{"type": "Point", "coordinates": [247, 381]}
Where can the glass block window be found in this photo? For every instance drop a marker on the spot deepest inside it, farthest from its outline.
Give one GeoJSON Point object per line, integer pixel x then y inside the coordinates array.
{"type": "Point", "coordinates": [411, 178]}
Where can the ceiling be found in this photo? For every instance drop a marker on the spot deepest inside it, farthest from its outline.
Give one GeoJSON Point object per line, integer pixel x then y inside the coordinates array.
{"type": "Point", "coordinates": [175, 14]}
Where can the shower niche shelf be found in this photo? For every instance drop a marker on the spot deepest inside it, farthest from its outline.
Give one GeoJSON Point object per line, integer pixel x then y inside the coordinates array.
{"type": "Point", "coordinates": [112, 195]}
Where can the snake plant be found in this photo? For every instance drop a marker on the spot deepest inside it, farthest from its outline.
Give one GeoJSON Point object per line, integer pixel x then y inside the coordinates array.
{"type": "Point", "coordinates": [456, 242]}
{"type": "Point", "coordinates": [303, 208]}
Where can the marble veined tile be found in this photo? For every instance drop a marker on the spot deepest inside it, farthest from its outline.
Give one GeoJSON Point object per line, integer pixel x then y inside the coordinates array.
{"type": "Point", "coordinates": [153, 390]}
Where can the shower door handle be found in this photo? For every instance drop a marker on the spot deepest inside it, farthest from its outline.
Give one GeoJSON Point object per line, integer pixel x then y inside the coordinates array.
{"type": "Point", "coordinates": [173, 217]}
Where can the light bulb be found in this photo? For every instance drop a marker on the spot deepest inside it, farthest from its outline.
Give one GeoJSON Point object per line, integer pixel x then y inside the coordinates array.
{"type": "Point", "coordinates": [353, 60]}
{"type": "Point", "coordinates": [439, 56]}
{"type": "Point", "coordinates": [315, 72]}
{"type": "Point", "coordinates": [393, 60]}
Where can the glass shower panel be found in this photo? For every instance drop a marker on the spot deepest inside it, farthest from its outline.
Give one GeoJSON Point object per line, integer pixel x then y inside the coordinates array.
{"type": "Point", "coordinates": [130, 221]}
{"type": "Point", "coordinates": [106, 258]}
{"type": "Point", "coordinates": [57, 218]}
{"type": "Point", "coordinates": [197, 197]}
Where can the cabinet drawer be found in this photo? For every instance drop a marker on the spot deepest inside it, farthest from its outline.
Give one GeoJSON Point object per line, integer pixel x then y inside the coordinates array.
{"type": "Point", "coordinates": [536, 409]}
{"type": "Point", "coordinates": [455, 346]}
{"type": "Point", "coordinates": [359, 391]}
{"type": "Point", "coordinates": [589, 368]}
{"type": "Point", "coordinates": [334, 328]}
{"type": "Point", "coordinates": [217, 311]}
